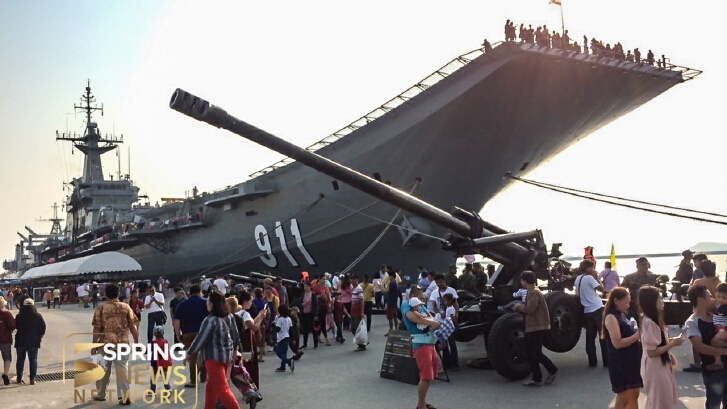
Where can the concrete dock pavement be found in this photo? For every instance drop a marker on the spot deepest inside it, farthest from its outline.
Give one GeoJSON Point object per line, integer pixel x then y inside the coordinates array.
{"type": "Point", "coordinates": [336, 377]}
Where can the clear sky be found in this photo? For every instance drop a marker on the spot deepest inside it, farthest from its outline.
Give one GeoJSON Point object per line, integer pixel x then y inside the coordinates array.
{"type": "Point", "coordinates": [302, 70]}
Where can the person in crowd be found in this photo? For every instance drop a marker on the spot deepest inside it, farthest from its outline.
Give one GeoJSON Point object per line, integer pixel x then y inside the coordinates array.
{"type": "Point", "coordinates": [378, 293]}
{"type": "Point", "coordinates": [136, 305]}
{"type": "Point", "coordinates": [7, 326]}
{"type": "Point", "coordinates": [719, 318]}
{"type": "Point", "coordinates": [709, 279]}
{"type": "Point", "coordinates": [698, 259]}
{"type": "Point", "coordinates": [451, 356]}
{"type": "Point", "coordinates": [657, 364]}
{"type": "Point", "coordinates": [206, 284]}
{"type": "Point", "coordinates": [179, 296]}
{"type": "Point", "coordinates": [283, 324]}
{"type": "Point", "coordinates": [215, 344]}
{"type": "Point", "coordinates": [701, 332]}
{"type": "Point", "coordinates": [640, 278]}
{"type": "Point", "coordinates": [391, 302]}
{"type": "Point", "coordinates": [188, 317]}
{"type": "Point", "coordinates": [268, 283]}
{"type": "Point", "coordinates": [482, 276]}
{"type": "Point", "coordinates": [239, 375]}
{"type": "Point", "coordinates": [222, 284]}
{"type": "Point", "coordinates": [159, 364]}
{"type": "Point", "coordinates": [295, 333]}
{"type": "Point", "coordinates": [467, 279]}
{"type": "Point", "coordinates": [338, 312]}
{"type": "Point", "coordinates": [154, 304]}
{"type": "Point", "coordinates": [30, 327]}
{"type": "Point", "coordinates": [624, 350]}
{"type": "Point", "coordinates": [282, 291]}
{"type": "Point", "coordinates": [112, 322]}
{"type": "Point", "coordinates": [324, 306]}
{"type": "Point", "coordinates": [262, 305]}
{"type": "Point", "coordinates": [251, 327]}
{"type": "Point", "coordinates": [586, 287]}
{"type": "Point", "coordinates": [82, 291]}
{"type": "Point", "coordinates": [357, 309]}
{"type": "Point", "coordinates": [422, 346]}
{"type": "Point", "coordinates": [345, 289]}
{"type": "Point", "coordinates": [438, 307]}
{"type": "Point", "coordinates": [450, 277]}
{"type": "Point", "coordinates": [56, 297]}
{"type": "Point", "coordinates": [94, 294]}
{"type": "Point", "coordinates": [368, 299]}
{"type": "Point", "coordinates": [650, 58]}
{"type": "Point", "coordinates": [273, 304]}
{"type": "Point", "coordinates": [433, 285]}
{"type": "Point", "coordinates": [309, 304]}
{"type": "Point", "coordinates": [685, 272]}
{"type": "Point", "coordinates": [11, 295]}
{"type": "Point", "coordinates": [609, 278]}
{"type": "Point", "coordinates": [48, 299]}
{"type": "Point", "coordinates": [537, 322]}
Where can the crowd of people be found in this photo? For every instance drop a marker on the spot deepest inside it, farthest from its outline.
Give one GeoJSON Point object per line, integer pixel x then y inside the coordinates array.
{"type": "Point", "coordinates": [543, 37]}
{"type": "Point", "coordinates": [226, 327]}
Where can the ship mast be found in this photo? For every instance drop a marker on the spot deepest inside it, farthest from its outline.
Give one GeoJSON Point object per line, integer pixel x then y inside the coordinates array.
{"type": "Point", "coordinates": [89, 143]}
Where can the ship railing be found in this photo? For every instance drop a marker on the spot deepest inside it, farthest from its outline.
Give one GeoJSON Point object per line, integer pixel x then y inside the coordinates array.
{"type": "Point", "coordinates": [664, 65]}
{"type": "Point", "coordinates": [378, 112]}
{"type": "Point", "coordinates": [192, 219]}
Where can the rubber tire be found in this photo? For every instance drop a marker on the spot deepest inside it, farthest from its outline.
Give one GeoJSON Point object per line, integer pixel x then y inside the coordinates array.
{"type": "Point", "coordinates": [507, 347]}
{"type": "Point", "coordinates": [566, 321]}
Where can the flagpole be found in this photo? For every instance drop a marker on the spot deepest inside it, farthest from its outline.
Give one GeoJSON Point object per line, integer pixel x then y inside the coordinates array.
{"type": "Point", "coordinates": [562, 22]}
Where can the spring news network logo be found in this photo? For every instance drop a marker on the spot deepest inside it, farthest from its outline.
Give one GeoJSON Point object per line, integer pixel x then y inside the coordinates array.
{"type": "Point", "coordinates": [137, 375]}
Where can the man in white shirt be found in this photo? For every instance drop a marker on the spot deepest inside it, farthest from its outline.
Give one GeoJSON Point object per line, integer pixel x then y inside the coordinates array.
{"type": "Point", "coordinates": [432, 286]}
{"type": "Point", "coordinates": [154, 304]}
{"type": "Point", "coordinates": [451, 356]}
{"type": "Point", "coordinates": [586, 287]}
{"type": "Point", "coordinates": [221, 284]}
{"type": "Point", "coordinates": [82, 292]}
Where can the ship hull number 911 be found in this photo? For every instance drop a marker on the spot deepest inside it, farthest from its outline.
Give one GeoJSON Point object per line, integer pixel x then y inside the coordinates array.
{"type": "Point", "coordinates": [264, 243]}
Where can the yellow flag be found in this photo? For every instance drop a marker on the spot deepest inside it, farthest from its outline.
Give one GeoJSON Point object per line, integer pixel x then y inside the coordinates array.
{"type": "Point", "coordinates": [613, 258]}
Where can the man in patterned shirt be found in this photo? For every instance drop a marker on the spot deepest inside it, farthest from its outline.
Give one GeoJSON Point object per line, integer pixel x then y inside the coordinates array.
{"type": "Point", "coordinates": [112, 323]}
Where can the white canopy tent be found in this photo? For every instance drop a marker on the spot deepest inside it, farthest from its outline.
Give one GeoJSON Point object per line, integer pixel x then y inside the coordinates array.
{"type": "Point", "coordinates": [108, 262]}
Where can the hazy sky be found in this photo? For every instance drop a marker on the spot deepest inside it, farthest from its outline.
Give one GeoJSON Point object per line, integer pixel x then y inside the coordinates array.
{"type": "Point", "coordinates": [302, 70]}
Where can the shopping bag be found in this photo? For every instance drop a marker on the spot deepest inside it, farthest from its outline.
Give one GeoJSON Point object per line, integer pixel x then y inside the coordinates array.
{"type": "Point", "coordinates": [361, 337]}
{"type": "Point", "coordinates": [98, 360]}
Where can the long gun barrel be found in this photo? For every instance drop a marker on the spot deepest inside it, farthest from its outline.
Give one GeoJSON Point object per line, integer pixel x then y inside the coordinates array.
{"type": "Point", "coordinates": [202, 110]}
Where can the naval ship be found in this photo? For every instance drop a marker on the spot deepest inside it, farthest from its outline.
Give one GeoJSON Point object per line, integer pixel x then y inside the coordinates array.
{"type": "Point", "coordinates": [448, 140]}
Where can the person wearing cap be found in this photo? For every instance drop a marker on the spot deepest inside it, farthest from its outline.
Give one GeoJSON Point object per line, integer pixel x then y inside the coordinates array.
{"type": "Point", "coordinates": [159, 364]}
{"type": "Point", "coordinates": [685, 272]}
{"type": "Point", "coordinates": [205, 283]}
{"type": "Point", "coordinates": [112, 322]}
{"type": "Point", "coordinates": [640, 278]}
{"type": "Point", "coordinates": [467, 279]}
{"type": "Point", "coordinates": [422, 346]}
{"type": "Point", "coordinates": [30, 327]}
{"type": "Point", "coordinates": [450, 277]}
{"type": "Point", "coordinates": [7, 326]}
{"type": "Point", "coordinates": [268, 283]}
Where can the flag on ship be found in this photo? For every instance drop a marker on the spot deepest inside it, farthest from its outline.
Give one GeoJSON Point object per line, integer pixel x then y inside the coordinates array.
{"type": "Point", "coordinates": [556, 2]}
{"type": "Point", "coordinates": [613, 258]}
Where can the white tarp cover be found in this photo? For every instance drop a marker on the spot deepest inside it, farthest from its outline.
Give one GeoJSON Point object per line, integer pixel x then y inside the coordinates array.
{"type": "Point", "coordinates": [107, 262]}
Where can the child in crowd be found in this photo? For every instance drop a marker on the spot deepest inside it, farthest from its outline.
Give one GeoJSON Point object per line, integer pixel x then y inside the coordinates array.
{"type": "Point", "coordinates": [338, 312]}
{"type": "Point", "coordinates": [295, 333]}
{"type": "Point", "coordinates": [446, 326]}
{"type": "Point", "coordinates": [283, 324]}
{"type": "Point", "coordinates": [160, 365]}
{"type": "Point", "coordinates": [520, 296]}
{"type": "Point", "coordinates": [48, 298]}
{"type": "Point", "coordinates": [720, 322]}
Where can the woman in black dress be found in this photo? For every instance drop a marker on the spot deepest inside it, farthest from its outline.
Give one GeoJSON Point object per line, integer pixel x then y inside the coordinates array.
{"type": "Point", "coordinates": [624, 350]}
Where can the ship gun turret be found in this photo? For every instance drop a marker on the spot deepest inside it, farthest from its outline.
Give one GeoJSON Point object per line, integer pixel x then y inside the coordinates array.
{"type": "Point", "coordinates": [517, 251]}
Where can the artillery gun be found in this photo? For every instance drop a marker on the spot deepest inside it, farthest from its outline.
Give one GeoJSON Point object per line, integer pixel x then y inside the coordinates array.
{"type": "Point", "coordinates": [479, 315]}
